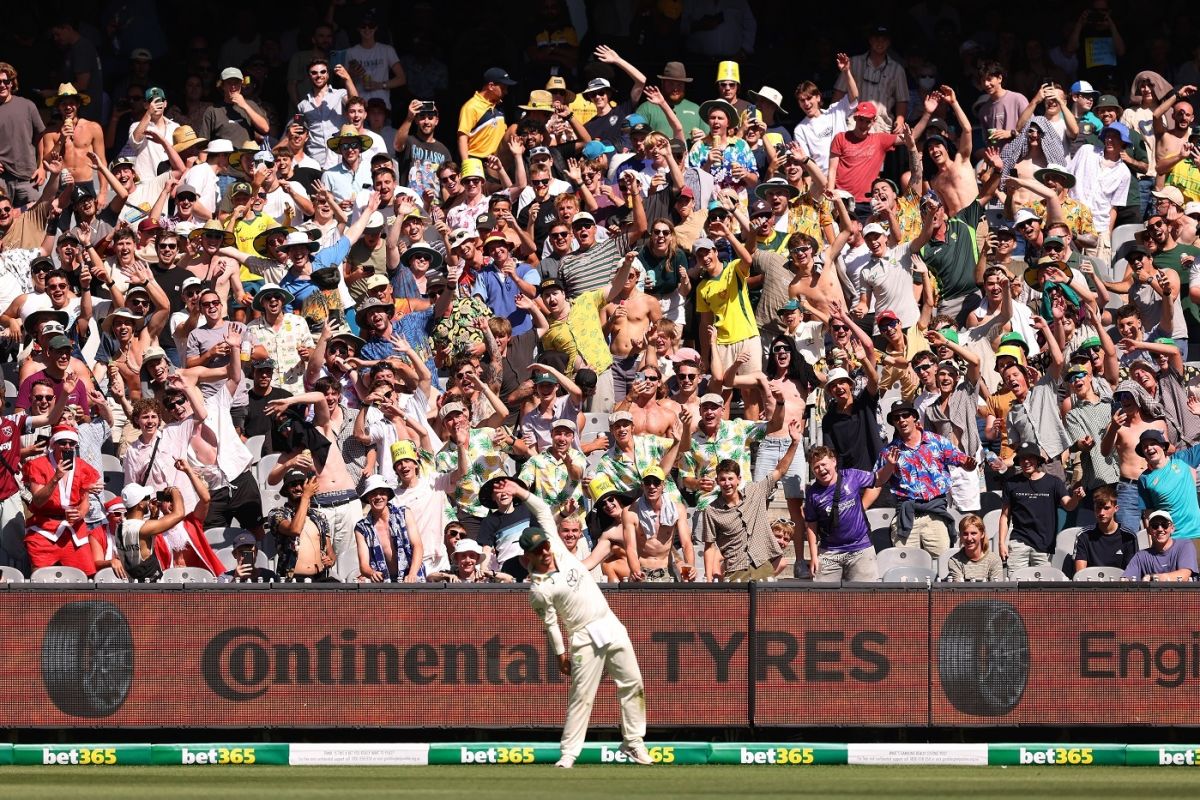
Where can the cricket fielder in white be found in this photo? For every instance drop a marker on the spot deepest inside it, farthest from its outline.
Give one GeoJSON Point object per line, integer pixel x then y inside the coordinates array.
{"type": "Point", "coordinates": [562, 587]}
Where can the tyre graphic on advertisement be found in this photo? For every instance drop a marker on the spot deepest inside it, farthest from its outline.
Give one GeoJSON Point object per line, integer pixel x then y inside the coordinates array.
{"type": "Point", "coordinates": [87, 659]}
{"type": "Point", "coordinates": [983, 658]}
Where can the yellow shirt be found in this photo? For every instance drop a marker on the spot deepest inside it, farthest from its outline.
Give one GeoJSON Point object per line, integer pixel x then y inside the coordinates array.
{"type": "Point", "coordinates": [483, 124]}
{"type": "Point", "coordinates": [727, 297]}
{"type": "Point", "coordinates": [243, 238]}
{"type": "Point", "coordinates": [914, 343]}
{"type": "Point", "coordinates": [580, 333]}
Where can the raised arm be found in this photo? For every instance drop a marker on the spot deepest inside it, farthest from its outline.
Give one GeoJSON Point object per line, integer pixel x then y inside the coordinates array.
{"type": "Point", "coordinates": [609, 56]}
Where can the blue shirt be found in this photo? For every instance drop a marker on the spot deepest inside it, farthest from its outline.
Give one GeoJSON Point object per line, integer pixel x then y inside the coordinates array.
{"type": "Point", "coordinates": [500, 293]}
{"type": "Point", "coordinates": [379, 349]}
{"type": "Point", "coordinates": [922, 472]}
{"type": "Point", "coordinates": [1172, 488]}
{"type": "Point", "coordinates": [301, 287]}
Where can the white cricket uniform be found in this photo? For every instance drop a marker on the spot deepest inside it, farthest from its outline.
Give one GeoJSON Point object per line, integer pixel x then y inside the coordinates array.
{"type": "Point", "coordinates": [599, 642]}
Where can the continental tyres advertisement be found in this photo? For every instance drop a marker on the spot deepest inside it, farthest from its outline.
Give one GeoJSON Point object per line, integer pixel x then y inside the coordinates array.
{"type": "Point", "coordinates": [768, 656]}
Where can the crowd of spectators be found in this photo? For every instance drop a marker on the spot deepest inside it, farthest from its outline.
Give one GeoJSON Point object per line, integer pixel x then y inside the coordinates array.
{"type": "Point", "coordinates": [300, 286]}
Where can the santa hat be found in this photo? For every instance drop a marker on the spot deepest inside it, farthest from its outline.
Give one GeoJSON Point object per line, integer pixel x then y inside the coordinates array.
{"type": "Point", "coordinates": [114, 505]}
{"type": "Point", "coordinates": [64, 433]}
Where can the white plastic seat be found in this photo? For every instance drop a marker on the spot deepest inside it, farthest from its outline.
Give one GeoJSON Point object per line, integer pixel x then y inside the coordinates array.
{"type": "Point", "coordinates": [909, 575]}
{"type": "Point", "coordinates": [1037, 574]}
{"type": "Point", "coordinates": [1065, 540]}
{"type": "Point", "coordinates": [107, 575]}
{"type": "Point", "coordinates": [943, 563]}
{"type": "Point", "coordinates": [255, 445]}
{"type": "Point", "coordinates": [110, 463]}
{"type": "Point", "coordinates": [187, 575]}
{"type": "Point", "coordinates": [1099, 574]}
{"type": "Point", "coordinates": [58, 575]}
{"type": "Point", "coordinates": [903, 557]}
{"type": "Point", "coordinates": [880, 519]}
{"type": "Point", "coordinates": [12, 575]}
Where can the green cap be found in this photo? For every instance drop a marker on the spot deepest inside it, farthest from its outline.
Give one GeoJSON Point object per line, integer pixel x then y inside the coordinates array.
{"type": "Point", "coordinates": [1091, 341]}
{"type": "Point", "coordinates": [1012, 337]}
{"type": "Point", "coordinates": [950, 334]}
{"type": "Point", "coordinates": [533, 538]}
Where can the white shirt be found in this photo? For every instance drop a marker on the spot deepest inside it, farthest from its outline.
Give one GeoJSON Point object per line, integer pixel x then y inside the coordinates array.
{"type": "Point", "coordinates": [1100, 185]}
{"type": "Point", "coordinates": [570, 592]}
{"type": "Point", "coordinates": [889, 280]}
{"type": "Point", "coordinates": [147, 154]}
{"type": "Point", "coordinates": [855, 260]}
{"type": "Point", "coordinates": [816, 133]}
{"type": "Point", "coordinates": [429, 512]}
{"type": "Point", "coordinates": [377, 63]}
{"type": "Point", "coordinates": [203, 178]}
{"type": "Point", "coordinates": [323, 120]}
{"type": "Point", "coordinates": [280, 206]}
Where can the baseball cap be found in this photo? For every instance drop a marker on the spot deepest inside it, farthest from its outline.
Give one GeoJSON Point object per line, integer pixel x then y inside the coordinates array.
{"type": "Point", "coordinates": [712, 398]}
{"type": "Point", "coordinates": [760, 208]}
{"type": "Point", "coordinates": [596, 85]}
{"type": "Point", "coordinates": [619, 416]}
{"type": "Point", "coordinates": [134, 493]}
{"type": "Point", "coordinates": [866, 110]}
{"type": "Point", "coordinates": [549, 285]}
{"type": "Point", "coordinates": [232, 74]}
{"type": "Point", "coordinates": [1162, 513]}
{"type": "Point", "coordinates": [294, 476]}
{"type": "Point", "coordinates": [582, 216]}
{"type": "Point", "coordinates": [262, 363]}
{"type": "Point", "coordinates": [790, 305]}
{"type": "Point", "coordinates": [545, 377]}
{"type": "Point", "coordinates": [885, 315]}
{"type": "Point", "coordinates": [59, 343]}
{"type": "Point", "coordinates": [564, 423]}
{"type": "Point", "coordinates": [1082, 87]}
{"type": "Point", "coordinates": [654, 471]}
{"type": "Point", "coordinates": [1171, 193]}
{"type": "Point", "coordinates": [1025, 215]}
{"type": "Point", "coordinates": [497, 75]}
{"type": "Point", "coordinates": [703, 243]}
{"type": "Point", "coordinates": [245, 540]}
{"type": "Point", "coordinates": [873, 228]}
{"type": "Point", "coordinates": [596, 148]}
{"type": "Point", "coordinates": [451, 408]}
{"type": "Point", "coordinates": [686, 354]}
{"type": "Point", "coordinates": [532, 538]}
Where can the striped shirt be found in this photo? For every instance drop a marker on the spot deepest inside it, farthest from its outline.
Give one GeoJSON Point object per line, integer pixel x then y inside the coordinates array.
{"type": "Point", "coordinates": [593, 268]}
{"type": "Point", "coordinates": [742, 532]}
{"type": "Point", "coordinates": [1091, 419]}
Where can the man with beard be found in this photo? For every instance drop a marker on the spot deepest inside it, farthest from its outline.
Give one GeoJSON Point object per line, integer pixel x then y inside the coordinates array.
{"type": "Point", "coordinates": [419, 153]}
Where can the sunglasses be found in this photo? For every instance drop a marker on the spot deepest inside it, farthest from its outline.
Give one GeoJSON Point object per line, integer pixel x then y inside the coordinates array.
{"type": "Point", "coordinates": [214, 235]}
{"type": "Point", "coordinates": [839, 328]}
{"type": "Point", "coordinates": [1053, 248]}
{"type": "Point", "coordinates": [804, 248]}
{"type": "Point", "coordinates": [178, 402]}
{"type": "Point", "coordinates": [1158, 525]}
{"type": "Point", "coordinates": [318, 72]}
{"type": "Point", "coordinates": [923, 367]}
{"type": "Point", "coordinates": [661, 232]}
{"type": "Point", "coordinates": [167, 246]}
{"type": "Point", "coordinates": [41, 270]}
{"type": "Point", "coordinates": [780, 349]}
{"type": "Point", "coordinates": [472, 180]}
{"type": "Point", "coordinates": [210, 303]}
{"type": "Point", "coordinates": [726, 84]}
{"type": "Point", "coordinates": [685, 376]}
{"type": "Point", "coordinates": [560, 234]}
{"type": "Point", "coordinates": [888, 323]}
{"type": "Point", "coordinates": [579, 226]}
{"type": "Point", "coordinates": [541, 182]}
{"type": "Point", "coordinates": [651, 481]}
{"type": "Point", "coordinates": [43, 398]}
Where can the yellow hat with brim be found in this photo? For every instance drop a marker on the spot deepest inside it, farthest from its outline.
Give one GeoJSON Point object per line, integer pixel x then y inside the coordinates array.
{"type": "Point", "coordinates": [404, 449]}
{"type": "Point", "coordinates": [260, 241]}
{"type": "Point", "coordinates": [66, 90]}
{"type": "Point", "coordinates": [1033, 275]}
{"type": "Point", "coordinates": [539, 100]}
{"type": "Point", "coordinates": [471, 168]}
{"type": "Point", "coordinates": [212, 225]}
{"type": "Point", "coordinates": [1013, 351]}
{"type": "Point", "coordinates": [557, 83]}
{"type": "Point", "coordinates": [602, 486]}
{"type": "Point", "coordinates": [185, 137]}
{"type": "Point", "coordinates": [349, 133]}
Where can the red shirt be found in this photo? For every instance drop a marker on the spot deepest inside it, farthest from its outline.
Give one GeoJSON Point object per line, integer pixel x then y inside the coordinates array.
{"type": "Point", "coordinates": [859, 162]}
{"type": "Point", "coordinates": [10, 453]}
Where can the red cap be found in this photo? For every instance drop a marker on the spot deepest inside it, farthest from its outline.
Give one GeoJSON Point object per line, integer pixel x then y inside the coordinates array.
{"type": "Point", "coordinates": [866, 110]}
{"type": "Point", "coordinates": [61, 433]}
{"type": "Point", "coordinates": [147, 225]}
{"type": "Point", "coordinates": [886, 314]}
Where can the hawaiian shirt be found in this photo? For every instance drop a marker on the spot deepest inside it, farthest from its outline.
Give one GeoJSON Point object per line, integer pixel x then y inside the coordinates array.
{"type": "Point", "coordinates": [626, 473]}
{"type": "Point", "coordinates": [732, 441]}
{"type": "Point", "coordinates": [1078, 216]}
{"type": "Point", "coordinates": [923, 471]}
{"type": "Point", "coordinates": [282, 347]}
{"type": "Point", "coordinates": [547, 477]}
{"type": "Point", "coordinates": [809, 216]}
{"type": "Point", "coordinates": [401, 544]}
{"type": "Point", "coordinates": [736, 152]}
{"type": "Point", "coordinates": [486, 462]}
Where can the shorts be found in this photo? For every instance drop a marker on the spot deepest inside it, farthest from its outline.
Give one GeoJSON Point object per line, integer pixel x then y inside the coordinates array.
{"type": "Point", "coordinates": [659, 575]}
{"type": "Point", "coordinates": [64, 553]}
{"type": "Point", "coordinates": [858, 565]}
{"type": "Point", "coordinates": [752, 346]}
{"type": "Point", "coordinates": [759, 573]}
{"type": "Point", "coordinates": [770, 452]}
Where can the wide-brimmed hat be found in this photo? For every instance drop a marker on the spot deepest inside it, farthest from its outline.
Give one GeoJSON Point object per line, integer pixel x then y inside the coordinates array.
{"type": "Point", "coordinates": [601, 486]}
{"type": "Point", "coordinates": [66, 90]}
{"type": "Point", "coordinates": [346, 333]}
{"type": "Point", "coordinates": [539, 100]}
{"type": "Point", "coordinates": [36, 318]}
{"type": "Point", "coordinates": [260, 241]}
{"type": "Point", "coordinates": [776, 185]}
{"type": "Point", "coordinates": [184, 137]}
{"type": "Point", "coordinates": [769, 94]}
{"type": "Point", "coordinates": [557, 83]}
{"type": "Point", "coordinates": [374, 484]}
{"type": "Point", "coordinates": [116, 314]}
{"type": "Point", "coordinates": [349, 133]}
{"type": "Point", "coordinates": [724, 105]}
{"type": "Point", "coordinates": [1031, 450]}
{"type": "Point", "coordinates": [1151, 436]}
{"type": "Point", "coordinates": [212, 225]}
{"type": "Point", "coordinates": [301, 239]}
{"type": "Point", "coordinates": [421, 249]}
{"type": "Point", "coordinates": [898, 408]}
{"type": "Point", "coordinates": [1058, 171]}
{"type": "Point", "coordinates": [369, 304]}
{"type": "Point", "coordinates": [674, 71]}
{"type": "Point", "coordinates": [1033, 275]}
{"type": "Point", "coordinates": [271, 288]}
{"type": "Point", "coordinates": [485, 492]}
{"type": "Point", "coordinates": [218, 147]}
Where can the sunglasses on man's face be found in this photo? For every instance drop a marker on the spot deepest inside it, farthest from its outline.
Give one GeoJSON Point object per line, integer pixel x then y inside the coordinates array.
{"type": "Point", "coordinates": [888, 323]}
{"type": "Point", "coordinates": [651, 482]}
{"type": "Point", "coordinates": [541, 182]}
{"type": "Point", "coordinates": [210, 303]}
{"type": "Point", "coordinates": [178, 402]}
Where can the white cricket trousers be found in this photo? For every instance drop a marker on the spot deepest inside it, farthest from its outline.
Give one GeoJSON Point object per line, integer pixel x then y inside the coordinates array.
{"type": "Point", "coordinates": [588, 664]}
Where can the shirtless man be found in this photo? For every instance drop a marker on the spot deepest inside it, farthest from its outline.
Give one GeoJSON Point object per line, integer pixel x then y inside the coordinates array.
{"type": "Point", "coordinates": [216, 270]}
{"type": "Point", "coordinates": [953, 177]}
{"type": "Point", "coordinates": [816, 289]}
{"type": "Point", "coordinates": [75, 138]}
{"type": "Point", "coordinates": [334, 494]}
{"type": "Point", "coordinates": [627, 322]}
{"type": "Point", "coordinates": [1122, 434]}
{"type": "Point", "coordinates": [651, 415]}
{"type": "Point", "coordinates": [652, 524]}
{"type": "Point", "coordinates": [789, 408]}
{"type": "Point", "coordinates": [1171, 144]}
{"type": "Point", "coordinates": [305, 546]}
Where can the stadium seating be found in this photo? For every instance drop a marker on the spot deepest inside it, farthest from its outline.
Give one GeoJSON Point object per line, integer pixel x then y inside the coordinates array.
{"type": "Point", "coordinates": [58, 575]}
{"type": "Point", "coordinates": [1037, 574]}
{"type": "Point", "coordinates": [922, 575]}
{"type": "Point", "coordinates": [904, 557]}
{"type": "Point", "coordinates": [1099, 574]}
{"type": "Point", "coordinates": [107, 575]}
{"type": "Point", "coordinates": [11, 575]}
{"type": "Point", "coordinates": [187, 575]}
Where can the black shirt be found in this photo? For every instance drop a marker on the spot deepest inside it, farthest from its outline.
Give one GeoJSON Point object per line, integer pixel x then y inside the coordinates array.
{"type": "Point", "coordinates": [259, 424]}
{"type": "Point", "coordinates": [1097, 549]}
{"type": "Point", "coordinates": [1033, 509]}
{"type": "Point", "coordinates": [854, 436]}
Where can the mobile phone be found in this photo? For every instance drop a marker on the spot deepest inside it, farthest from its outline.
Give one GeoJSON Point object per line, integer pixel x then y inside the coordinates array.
{"type": "Point", "coordinates": [68, 461]}
{"type": "Point", "coordinates": [429, 107]}
{"type": "Point", "coordinates": [335, 316]}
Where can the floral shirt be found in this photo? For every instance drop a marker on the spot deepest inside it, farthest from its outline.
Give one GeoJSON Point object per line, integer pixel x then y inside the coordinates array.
{"type": "Point", "coordinates": [485, 462]}
{"type": "Point", "coordinates": [626, 471]}
{"type": "Point", "coordinates": [732, 441]}
{"type": "Point", "coordinates": [908, 217]}
{"type": "Point", "coordinates": [809, 216]}
{"type": "Point", "coordinates": [282, 347]}
{"type": "Point", "coordinates": [923, 471]}
{"type": "Point", "coordinates": [1077, 215]}
{"type": "Point", "coordinates": [736, 152]}
{"type": "Point", "coordinates": [547, 477]}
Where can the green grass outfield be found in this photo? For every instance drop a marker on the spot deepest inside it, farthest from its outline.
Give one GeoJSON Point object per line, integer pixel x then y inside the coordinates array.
{"type": "Point", "coordinates": [601, 781]}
